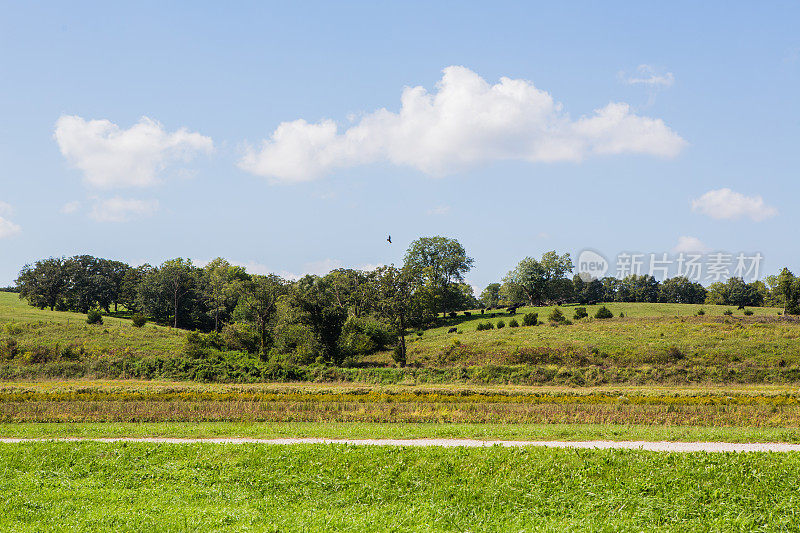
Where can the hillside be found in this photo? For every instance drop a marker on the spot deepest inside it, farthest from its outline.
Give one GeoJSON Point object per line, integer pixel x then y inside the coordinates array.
{"type": "Point", "coordinates": [652, 343]}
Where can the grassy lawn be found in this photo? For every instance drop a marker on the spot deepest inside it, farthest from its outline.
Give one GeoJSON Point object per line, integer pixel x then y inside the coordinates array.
{"type": "Point", "coordinates": [201, 487]}
{"type": "Point", "coordinates": [365, 430]}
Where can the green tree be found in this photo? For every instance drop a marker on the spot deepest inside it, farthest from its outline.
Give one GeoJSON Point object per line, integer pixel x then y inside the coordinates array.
{"type": "Point", "coordinates": [395, 303]}
{"type": "Point", "coordinates": [490, 297]}
{"type": "Point", "coordinates": [44, 283]}
{"type": "Point", "coordinates": [168, 292]}
{"type": "Point", "coordinates": [315, 301]}
{"type": "Point", "coordinates": [438, 262]}
{"type": "Point", "coordinates": [526, 283]}
{"type": "Point", "coordinates": [220, 287]}
{"type": "Point", "coordinates": [681, 290]}
{"type": "Point", "coordinates": [258, 304]}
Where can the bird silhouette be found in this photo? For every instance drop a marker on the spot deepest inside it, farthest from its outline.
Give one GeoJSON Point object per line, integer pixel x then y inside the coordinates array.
{"type": "Point", "coordinates": [389, 239]}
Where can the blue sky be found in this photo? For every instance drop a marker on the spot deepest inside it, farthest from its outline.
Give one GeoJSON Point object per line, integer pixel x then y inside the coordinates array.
{"type": "Point", "coordinates": [702, 155]}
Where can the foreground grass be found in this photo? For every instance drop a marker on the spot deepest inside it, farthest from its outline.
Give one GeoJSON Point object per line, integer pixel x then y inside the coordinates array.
{"type": "Point", "coordinates": [201, 487]}
{"type": "Point", "coordinates": [354, 430]}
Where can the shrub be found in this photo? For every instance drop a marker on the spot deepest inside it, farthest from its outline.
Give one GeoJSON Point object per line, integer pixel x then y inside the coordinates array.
{"type": "Point", "coordinates": [556, 316]}
{"type": "Point", "coordinates": [500, 324]}
{"type": "Point", "coordinates": [513, 323]}
{"type": "Point", "coordinates": [530, 319]}
{"type": "Point", "coordinates": [701, 312]}
{"type": "Point", "coordinates": [604, 312]}
{"type": "Point", "coordinates": [94, 317]}
{"type": "Point", "coordinates": [622, 315]}
{"type": "Point", "coordinates": [138, 320]}
{"type": "Point", "coordinates": [728, 312]}
{"type": "Point", "coordinates": [484, 326]}
{"type": "Point", "coordinates": [580, 312]}
{"type": "Point", "coordinates": [748, 312]}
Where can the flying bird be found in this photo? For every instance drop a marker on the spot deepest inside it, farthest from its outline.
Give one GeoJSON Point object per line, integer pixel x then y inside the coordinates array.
{"type": "Point", "coordinates": [389, 239]}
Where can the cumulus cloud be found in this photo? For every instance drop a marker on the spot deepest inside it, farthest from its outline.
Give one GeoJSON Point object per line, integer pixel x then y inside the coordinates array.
{"type": "Point", "coordinates": [727, 204]}
{"type": "Point", "coordinates": [650, 77]}
{"type": "Point", "coordinates": [687, 244]}
{"type": "Point", "coordinates": [121, 209]}
{"type": "Point", "coordinates": [465, 122]}
{"type": "Point", "coordinates": [111, 157]}
{"type": "Point", "coordinates": [6, 209]}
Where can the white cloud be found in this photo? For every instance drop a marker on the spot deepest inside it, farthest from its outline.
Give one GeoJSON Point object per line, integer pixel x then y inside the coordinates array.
{"type": "Point", "coordinates": [70, 208]}
{"type": "Point", "coordinates": [121, 209]}
{"type": "Point", "coordinates": [113, 157]}
{"type": "Point", "coordinates": [8, 228]}
{"type": "Point", "coordinates": [439, 210]}
{"type": "Point", "coordinates": [649, 76]}
{"type": "Point", "coordinates": [465, 122]}
{"type": "Point", "coordinates": [728, 204]}
{"type": "Point", "coordinates": [687, 244]}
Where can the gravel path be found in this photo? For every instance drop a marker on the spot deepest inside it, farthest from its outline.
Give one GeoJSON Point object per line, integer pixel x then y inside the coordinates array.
{"type": "Point", "coordinates": [662, 446]}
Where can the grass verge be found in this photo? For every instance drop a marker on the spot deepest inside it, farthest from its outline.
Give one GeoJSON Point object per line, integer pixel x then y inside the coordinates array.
{"type": "Point", "coordinates": [201, 487]}
{"type": "Point", "coordinates": [356, 430]}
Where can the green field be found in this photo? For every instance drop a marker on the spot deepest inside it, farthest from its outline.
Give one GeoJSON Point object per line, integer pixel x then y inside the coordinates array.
{"type": "Point", "coordinates": [202, 487]}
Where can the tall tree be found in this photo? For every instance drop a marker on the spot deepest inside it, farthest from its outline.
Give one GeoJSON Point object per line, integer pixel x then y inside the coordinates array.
{"type": "Point", "coordinates": [395, 303]}
{"type": "Point", "coordinates": [220, 287]}
{"type": "Point", "coordinates": [258, 302]}
{"type": "Point", "coordinates": [44, 283]}
{"type": "Point", "coordinates": [315, 301]}
{"type": "Point", "coordinates": [438, 262]}
{"type": "Point", "coordinates": [490, 297]}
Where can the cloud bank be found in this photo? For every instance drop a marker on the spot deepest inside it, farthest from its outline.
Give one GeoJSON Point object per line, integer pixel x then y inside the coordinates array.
{"type": "Point", "coordinates": [112, 157]}
{"type": "Point", "coordinates": [725, 204]}
{"type": "Point", "coordinates": [465, 122]}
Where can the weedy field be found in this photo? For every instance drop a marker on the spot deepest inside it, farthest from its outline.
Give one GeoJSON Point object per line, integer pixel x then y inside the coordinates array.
{"type": "Point", "coordinates": [202, 487]}
{"type": "Point", "coordinates": [773, 407]}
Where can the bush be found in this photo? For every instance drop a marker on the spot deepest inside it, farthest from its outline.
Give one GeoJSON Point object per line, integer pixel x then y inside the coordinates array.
{"type": "Point", "coordinates": [556, 316]}
{"type": "Point", "coordinates": [728, 312]}
{"type": "Point", "coordinates": [604, 312]}
{"type": "Point", "coordinates": [500, 324]}
{"type": "Point", "coordinates": [580, 312]}
{"type": "Point", "coordinates": [139, 320]}
{"type": "Point", "coordinates": [94, 317]}
{"type": "Point", "coordinates": [701, 312]}
{"type": "Point", "coordinates": [513, 323]}
{"type": "Point", "coordinates": [748, 312]}
{"type": "Point", "coordinates": [484, 326]}
{"type": "Point", "coordinates": [622, 315]}
{"type": "Point", "coordinates": [530, 319]}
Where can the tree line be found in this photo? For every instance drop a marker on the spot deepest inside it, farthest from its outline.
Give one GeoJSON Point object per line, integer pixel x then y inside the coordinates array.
{"type": "Point", "coordinates": [348, 312]}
